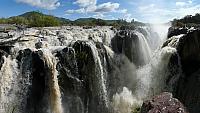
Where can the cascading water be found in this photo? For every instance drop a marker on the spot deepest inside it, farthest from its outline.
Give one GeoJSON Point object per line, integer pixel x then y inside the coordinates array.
{"type": "Point", "coordinates": [10, 92]}
{"type": "Point", "coordinates": [125, 101]}
{"type": "Point", "coordinates": [144, 48]}
{"type": "Point", "coordinates": [157, 71]}
{"type": "Point", "coordinates": [150, 80]}
{"type": "Point", "coordinates": [84, 70]}
{"type": "Point", "coordinates": [100, 74]}
{"type": "Point", "coordinates": [55, 95]}
{"type": "Point", "coordinates": [151, 77]}
{"type": "Point", "coordinates": [6, 81]}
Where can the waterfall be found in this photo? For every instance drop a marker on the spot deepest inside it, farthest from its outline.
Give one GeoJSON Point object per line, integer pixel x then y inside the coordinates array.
{"type": "Point", "coordinates": [93, 76]}
{"type": "Point", "coordinates": [157, 71]}
{"type": "Point", "coordinates": [9, 85]}
{"type": "Point", "coordinates": [144, 48]}
{"type": "Point", "coordinates": [55, 95]}
{"type": "Point", "coordinates": [150, 78]}
{"type": "Point", "coordinates": [100, 74]}
{"type": "Point", "coordinates": [125, 102]}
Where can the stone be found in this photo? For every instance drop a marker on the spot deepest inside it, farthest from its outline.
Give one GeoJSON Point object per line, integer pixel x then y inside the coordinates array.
{"type": "Point", "coordinates": [173, 31]}
{"type": "Point", "coordinates": [163, 103]}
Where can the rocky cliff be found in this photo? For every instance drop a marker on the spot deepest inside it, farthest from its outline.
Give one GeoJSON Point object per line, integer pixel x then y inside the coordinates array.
{"type": "Point", "coordinates": [188, 47]}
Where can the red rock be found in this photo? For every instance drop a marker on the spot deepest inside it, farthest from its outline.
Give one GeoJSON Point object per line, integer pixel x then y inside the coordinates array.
{"type": "Point", "coordinates": [163, 103]}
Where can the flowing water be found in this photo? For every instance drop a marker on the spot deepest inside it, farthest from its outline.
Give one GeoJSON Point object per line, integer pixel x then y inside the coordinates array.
{"type": "Point", "coordinates": [144, 48]}
{"type": "Point", "coordinates": [55, 95]}
{"type": "Point", "coordinates": [70, 70]}
{"type": "Point", "coordinates": [151, 77]}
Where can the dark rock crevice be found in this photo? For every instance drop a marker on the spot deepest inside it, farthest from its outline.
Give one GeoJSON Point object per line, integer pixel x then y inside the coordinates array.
{"type": "Point", "coordinates": [36, 97]}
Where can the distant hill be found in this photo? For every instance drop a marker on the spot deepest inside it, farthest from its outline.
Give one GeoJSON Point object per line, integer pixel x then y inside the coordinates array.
{"type": "Point", "coordinates": [91, 22]}
{"type": "Point", "coordinates": [30, 15]}
{"type": "Point", "coordinates": [38, 19]}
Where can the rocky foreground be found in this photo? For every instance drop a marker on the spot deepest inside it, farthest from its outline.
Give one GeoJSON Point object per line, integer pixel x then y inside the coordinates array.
{"type": "Point", "coordinates": [163, 103]}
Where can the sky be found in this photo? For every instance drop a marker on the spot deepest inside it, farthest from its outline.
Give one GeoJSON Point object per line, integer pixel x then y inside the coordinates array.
{"type": "Point", "coordinates": [154, 11]}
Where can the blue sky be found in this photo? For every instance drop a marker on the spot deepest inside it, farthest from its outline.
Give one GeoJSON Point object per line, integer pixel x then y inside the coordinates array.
{"type": "Point", "coordinates": [142, 10]}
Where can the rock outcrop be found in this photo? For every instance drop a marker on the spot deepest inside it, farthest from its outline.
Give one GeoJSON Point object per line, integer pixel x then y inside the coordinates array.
{"type": "Point", "coordinates": [163, 103]}
{"type": "Point", "coordinates": [127, 42]}
{"type": "Point", "coordinates": [187, 89]}
{"type": "Point", "coordinates": [173, 31]}
{"type": "Point", "coordinates": [133, 44]}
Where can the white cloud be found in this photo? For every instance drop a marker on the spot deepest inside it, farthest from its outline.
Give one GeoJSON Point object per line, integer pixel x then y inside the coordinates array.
{"type": "Point", "coordinates": [91, 6]}
{"type": "Point", "coordinates": [146, 7]}
{"type": "Point", "coordinates": [192, 10]}
{"type": "Point", "coordinates": [45, 4]}
{"type": "Point", "coordinates": [107, 7]}
{"type": "Point", "coordinates": [99, 15]}
{"type": "Point", "coordinates": [82, 10]}
{"type": "Point", "coordinates": [181, 4]}
{"type": "Point", "coordinates": [156, 13]}
{"type": "Point", "coordinates": [122, 11]}
{"type": "Point", "coordinates": [85, 3]}
{"type": "Point", "coordinates": [190, 1]}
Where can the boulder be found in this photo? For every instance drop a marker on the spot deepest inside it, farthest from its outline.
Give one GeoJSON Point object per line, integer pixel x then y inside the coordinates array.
{"type": "Point", "coordinates": [163, 103]}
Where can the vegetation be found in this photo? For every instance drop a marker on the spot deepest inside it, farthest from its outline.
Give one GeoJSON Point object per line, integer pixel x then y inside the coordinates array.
{"type": "Point", "coordinates": [32, 19]}
{"type": "Point", "coordinates": [38, 19]}
{"type": "Point", "coordinates": [187, 21]}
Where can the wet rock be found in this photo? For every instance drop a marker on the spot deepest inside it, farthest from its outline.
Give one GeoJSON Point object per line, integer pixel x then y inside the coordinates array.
{"type": "Point", "coordinates": [188, 49]}
{"type": "Point", "coordinates": [187, 88]}
{"type": "Point", "coordinates": [23, 53]}
{"type": "Point", "coordinates": [173, 31]}
{"type": "Point", "coordinates": [163, 103]}
{"type": "Point", "coordinates": [80, 77]}
{"type": "Point", "coordinates": [37, 91]}
{"type": "Point", "coordinates": [127, 42]}
{"type": "Point", "coordinates": [90, 71]}
{"type": "Point", "coordinates": [133, 44]}
{"type": "Point", "coordinates": [2, 53]}
{"type": "Point", "coordinates": [6, 48]}
{"type": "Point", "coordinates": [41, 44]}
{"type": "Point", "coordinates": [69, 80]}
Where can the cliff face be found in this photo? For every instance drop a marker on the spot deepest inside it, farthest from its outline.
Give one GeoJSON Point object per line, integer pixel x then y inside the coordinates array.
{"type": "Point", "coordinates": [60, 70]}
{"type": "Point", "coordinates": [187, 89]}
{"type": "Point", "coordinates": [136, 45]}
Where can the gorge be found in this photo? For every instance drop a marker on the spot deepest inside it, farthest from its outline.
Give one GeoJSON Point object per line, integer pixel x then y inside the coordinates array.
{"type": "Point", "coordinates": [71, 69]}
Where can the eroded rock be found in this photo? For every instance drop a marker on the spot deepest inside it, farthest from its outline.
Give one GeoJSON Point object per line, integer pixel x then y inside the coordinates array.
{"type": "Point", "coordinates": [187, 89]}
{"type": "Point", "coordinates": [173, 31]}
{"type": "Point", "coordinates": [163, 103]}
